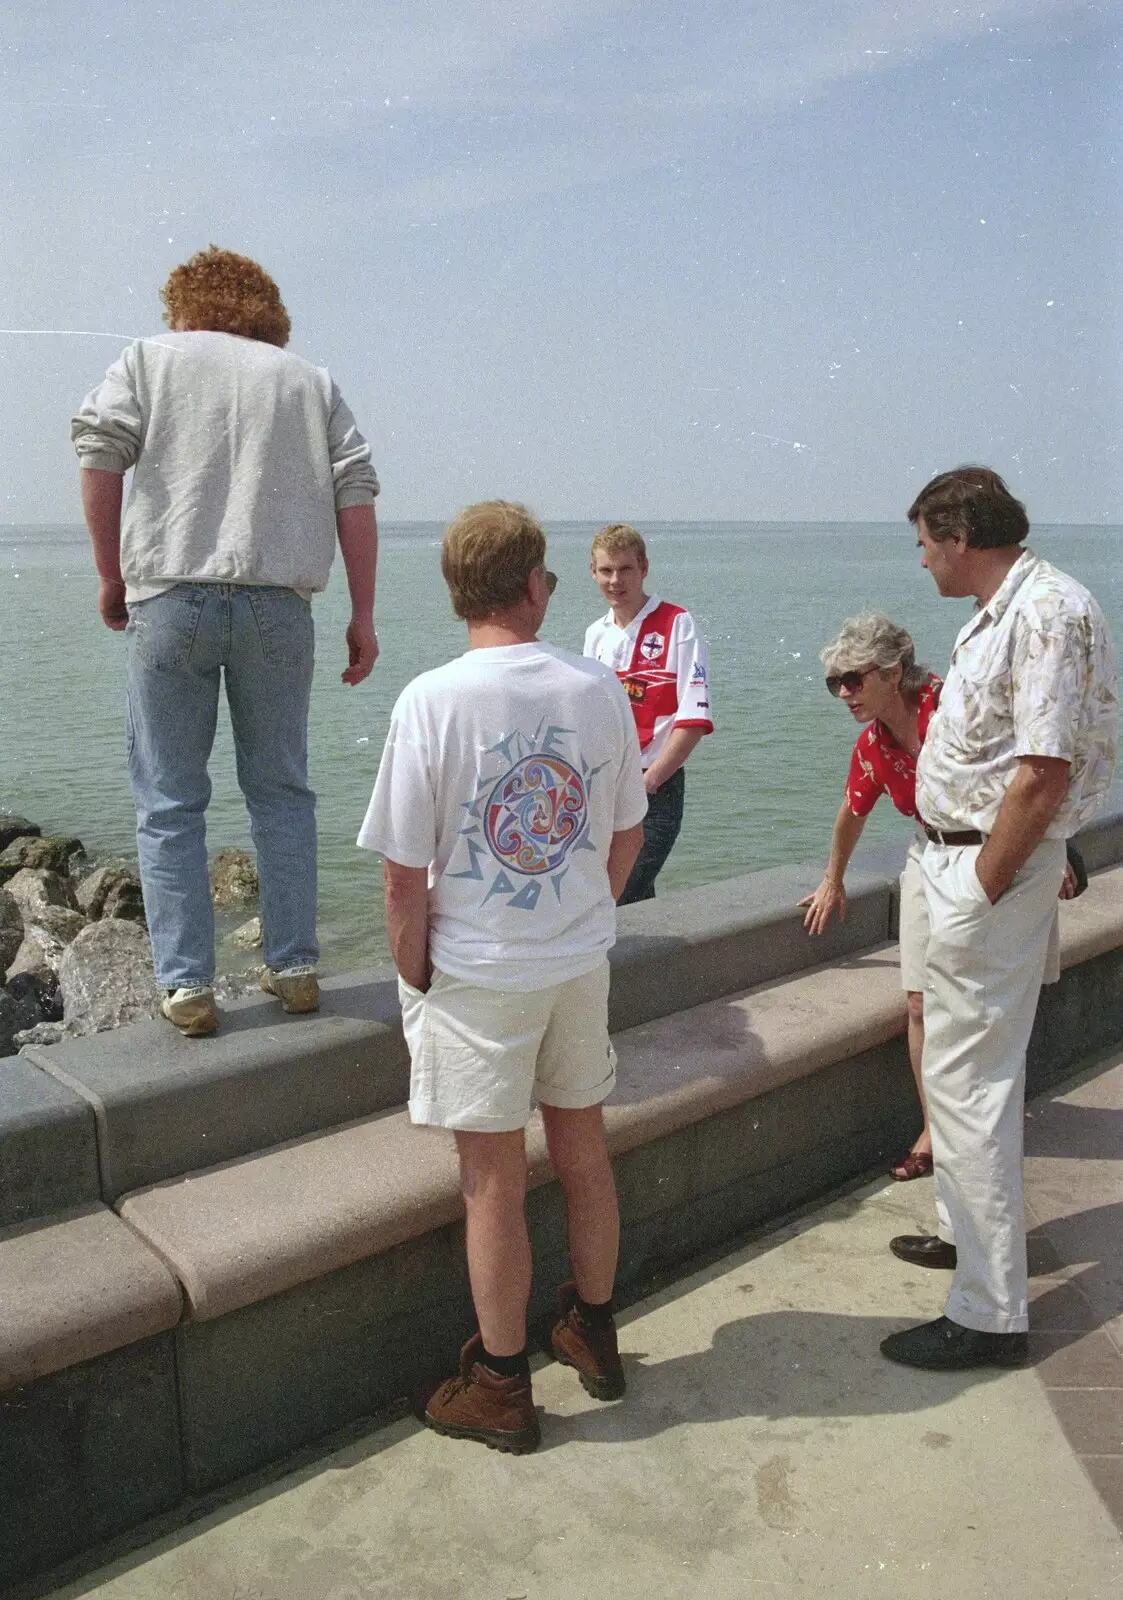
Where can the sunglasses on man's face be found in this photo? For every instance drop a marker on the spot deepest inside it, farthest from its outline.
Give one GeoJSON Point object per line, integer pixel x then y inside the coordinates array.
{"type": "Point", "coordinates": [850, 681]}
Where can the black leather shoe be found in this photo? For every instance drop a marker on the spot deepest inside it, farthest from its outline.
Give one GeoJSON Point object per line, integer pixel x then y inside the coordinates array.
{"type": "Point", "coordinates": [946, 1346]}
{"type": "Point", "coordinates": [923, 1250]}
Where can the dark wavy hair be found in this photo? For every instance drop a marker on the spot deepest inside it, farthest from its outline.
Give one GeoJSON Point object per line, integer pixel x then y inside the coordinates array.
{"type": "Point", "coordinates": [220, 292]}
{"type": "Point", "coordinates": [973, 501]}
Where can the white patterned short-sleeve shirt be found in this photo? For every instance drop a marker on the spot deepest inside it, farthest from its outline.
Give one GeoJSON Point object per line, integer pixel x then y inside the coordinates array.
{"type": "Point", "coordinates": [1032, 674]}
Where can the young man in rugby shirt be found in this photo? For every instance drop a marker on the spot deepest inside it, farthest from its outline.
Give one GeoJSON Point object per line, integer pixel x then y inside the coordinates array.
{"type": "Point", "coordinates": [663, 662]}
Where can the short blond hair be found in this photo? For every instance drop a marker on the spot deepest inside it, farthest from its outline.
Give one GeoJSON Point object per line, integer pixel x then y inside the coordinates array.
{"type": "Point", "coordinates": [489, 551]}
{"type": "Point", "coordinates": [618, 536]}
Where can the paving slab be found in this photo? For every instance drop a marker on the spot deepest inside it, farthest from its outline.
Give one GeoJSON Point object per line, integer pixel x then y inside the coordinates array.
{"type": "Point", "coordinates": [764, 1447]}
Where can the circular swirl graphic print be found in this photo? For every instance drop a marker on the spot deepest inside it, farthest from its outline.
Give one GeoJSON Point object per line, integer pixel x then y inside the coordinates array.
{"type": "Point", "coordinates": [535, 814]}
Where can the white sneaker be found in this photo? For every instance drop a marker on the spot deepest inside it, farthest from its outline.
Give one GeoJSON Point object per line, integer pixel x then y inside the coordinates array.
{"type": "Point", "coordinates": [297, 988]}
{"type": "Point", "coordinates": [192, 1009]}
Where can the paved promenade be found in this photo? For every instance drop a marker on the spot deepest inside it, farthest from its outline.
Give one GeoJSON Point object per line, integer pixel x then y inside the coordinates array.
{"type": "Point", "coordinates": [765, 1448]}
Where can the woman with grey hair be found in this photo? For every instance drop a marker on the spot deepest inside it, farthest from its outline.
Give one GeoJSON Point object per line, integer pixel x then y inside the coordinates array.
{"type": "Point", "coordinates": [872, 669]}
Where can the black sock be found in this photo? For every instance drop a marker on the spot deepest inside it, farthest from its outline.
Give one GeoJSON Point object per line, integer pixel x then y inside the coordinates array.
{"type": "Point", "coordinates": [507, 1366]}
{"type": "Point", "coordinates": [594, 1316]}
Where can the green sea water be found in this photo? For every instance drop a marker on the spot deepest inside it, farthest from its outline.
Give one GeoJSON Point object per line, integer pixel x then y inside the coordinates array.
{"type": "Point", "coordinates": [761, 791]}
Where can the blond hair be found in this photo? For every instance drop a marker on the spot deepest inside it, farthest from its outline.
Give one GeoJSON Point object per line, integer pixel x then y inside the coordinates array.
{"type": "Point", "coordinates": [220, 292]}
{"type": "Point", "coordinates": [489, 551]}
{"type": "Point", "coordinates": [617, 537]}
{"type": "Point", "coordinates": [875, 641]}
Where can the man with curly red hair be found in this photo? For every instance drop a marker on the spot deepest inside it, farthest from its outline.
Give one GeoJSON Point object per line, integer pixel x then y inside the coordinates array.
{"type": "Point", "coordinates": [247, 469]}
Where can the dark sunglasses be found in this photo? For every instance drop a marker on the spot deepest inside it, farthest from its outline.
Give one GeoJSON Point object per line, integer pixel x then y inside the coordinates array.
{"type": "Point", "coordinates": [850, 681]}
{"type": "Point", "coordinates": [551, 579]}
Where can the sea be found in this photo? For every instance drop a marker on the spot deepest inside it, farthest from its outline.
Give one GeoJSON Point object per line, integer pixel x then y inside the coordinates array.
{"type": "Point", "coordinates": [761, 791]}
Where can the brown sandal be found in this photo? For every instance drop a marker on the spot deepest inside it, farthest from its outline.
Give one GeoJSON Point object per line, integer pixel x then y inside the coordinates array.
{"type": "Point", "coordinates": [916, 1164]}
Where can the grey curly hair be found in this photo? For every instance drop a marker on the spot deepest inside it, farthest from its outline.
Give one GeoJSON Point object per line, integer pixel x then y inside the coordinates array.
{"type": "Point", "coordinates": [875, 641]}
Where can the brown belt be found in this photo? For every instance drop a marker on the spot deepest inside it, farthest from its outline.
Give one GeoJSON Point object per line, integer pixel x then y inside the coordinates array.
{"type": "Point", "coordinates": [964, 836]}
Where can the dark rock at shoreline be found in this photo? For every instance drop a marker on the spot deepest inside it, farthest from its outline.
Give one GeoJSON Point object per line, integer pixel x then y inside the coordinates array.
{"type": "Point", "coordinates": [233, 878]}
{"type": "Point", "coordinates": [111, 892]}
{"type": "Point", "coordinates": [28, 1004]}
{"type": "Point", "coordinates": [16, 827]}
{"type": "Point", "coordinates": [11, 930]}
{"type": "Point", "coordinates": [53, 852]}
{"type": "Point", "coordinates": [107, 977]}
{"type": "Point", "coordinates": [34, 889]}
{"type": "Point", "coordinates": [38, 999]}
{"type": "Point", "coordinates": [10, 1024]}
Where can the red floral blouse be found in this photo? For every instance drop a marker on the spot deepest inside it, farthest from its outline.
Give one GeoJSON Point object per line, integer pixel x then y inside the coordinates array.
{"type": "Point", "coordinates": [880, 766]}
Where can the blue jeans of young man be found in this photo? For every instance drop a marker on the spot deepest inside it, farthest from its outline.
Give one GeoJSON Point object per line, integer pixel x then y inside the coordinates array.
{"type": "Point", "coordinates": [660, 830]}
{"type": "Point", "coordinates": [178, 646]}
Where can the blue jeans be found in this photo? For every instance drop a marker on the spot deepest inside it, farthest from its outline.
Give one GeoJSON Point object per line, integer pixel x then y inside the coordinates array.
{"type": "Point", "coordinates": [177, 645]}
{"type": "Point", "coordinates": [660, 830]}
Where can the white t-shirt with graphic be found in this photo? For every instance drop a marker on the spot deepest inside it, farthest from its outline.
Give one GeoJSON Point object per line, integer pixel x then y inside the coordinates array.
{"type": "Point", "coordinates": [506, 773]}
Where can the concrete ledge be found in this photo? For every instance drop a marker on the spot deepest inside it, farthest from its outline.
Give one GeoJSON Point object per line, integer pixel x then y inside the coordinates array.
{"type": "Point", "coordinates": [48, 1145]}
{"type": "Point", "coordinates": [164, 1104]}
{"type": "Point", "coordinates": [239, 1232]}
{"type": "Point", "coordinates": [76, 1287]}
{"type": "Point", "coordinates": [698, 944]}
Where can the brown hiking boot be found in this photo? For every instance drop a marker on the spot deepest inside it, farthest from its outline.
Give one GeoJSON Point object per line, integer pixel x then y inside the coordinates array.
{"type": "Point", "coordinates": [479, 1404]}
{"type": "Point", "coordinates": [591, 1352]}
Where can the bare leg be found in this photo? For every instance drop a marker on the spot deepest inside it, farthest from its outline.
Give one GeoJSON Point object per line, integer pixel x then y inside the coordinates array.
{"type": "Point", "coordinates": [493, 1182]}
{"type": "Point", "coordinates": [575, 1140]}
{"type": "Point", "coordinates": [923, 1143]}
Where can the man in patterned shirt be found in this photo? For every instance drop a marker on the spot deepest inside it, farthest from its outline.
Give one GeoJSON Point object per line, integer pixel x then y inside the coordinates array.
{"type": "Point", "coordinates": [1019, 755]}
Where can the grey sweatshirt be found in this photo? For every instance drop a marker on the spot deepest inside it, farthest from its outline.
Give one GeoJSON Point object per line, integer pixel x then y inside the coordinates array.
{"type": "Point", "coordinates": [243, 455]}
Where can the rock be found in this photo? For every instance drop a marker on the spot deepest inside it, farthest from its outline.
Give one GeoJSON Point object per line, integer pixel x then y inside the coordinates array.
{"type": "Point", "coordinates": [236, 985]}
{"type": "Point", "coordinates": [16, 827]}
{"type": "Point", "coordinates": [118, 886]}
{"type": "Point", "coordinates": [60, 922]}
{"type": "Point", "coordinates": [40, 953]}
{"type": "Point", "coordinates": [27, 991]}
{"type": "Point", "coordinates": [34, 889]}
{"type": "Point", "coordinates": [248, 936]}
{"type": "Point", "coordinates": [107, 977]}
{"type": "Point", "coordinates": [54, 852]}
{"type": "Point", "coordinates": [11, 930]}
{"type": "Point", "coordinates": [10, 1024]}
{"type": "Point", "coordinates": [42, 1033]}
{"type": "Point", "coordinates": [233, 878]}
{"type": "Point", "coordinates": [126, 902]}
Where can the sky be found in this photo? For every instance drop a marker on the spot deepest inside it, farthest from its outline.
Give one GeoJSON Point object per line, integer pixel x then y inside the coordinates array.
{"type": "Point", "coordinates": [632, 261]}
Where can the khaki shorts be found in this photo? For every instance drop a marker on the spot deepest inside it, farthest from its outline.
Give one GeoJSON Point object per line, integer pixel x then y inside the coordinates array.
{"type": "Point", "coordinates": [480, 1058]}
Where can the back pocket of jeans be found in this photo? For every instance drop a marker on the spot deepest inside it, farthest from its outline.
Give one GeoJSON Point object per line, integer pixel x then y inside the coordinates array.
{"type": "Point", "coordinates": [284, 626]}
{"type": "Point", "coordinates": [163, 629]}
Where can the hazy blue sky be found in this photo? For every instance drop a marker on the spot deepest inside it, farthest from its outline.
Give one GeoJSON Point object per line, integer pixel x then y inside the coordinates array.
{"type": "Point", "coordinates": [731, 259]}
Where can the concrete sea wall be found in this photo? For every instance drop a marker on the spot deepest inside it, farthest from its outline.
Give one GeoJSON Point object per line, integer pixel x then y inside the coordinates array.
{"type": "Point", "coordinates": [215, 1251]}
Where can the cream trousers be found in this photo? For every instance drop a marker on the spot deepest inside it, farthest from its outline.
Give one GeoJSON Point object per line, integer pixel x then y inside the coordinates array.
{"type": "Point", "coordinates": [985, 966]}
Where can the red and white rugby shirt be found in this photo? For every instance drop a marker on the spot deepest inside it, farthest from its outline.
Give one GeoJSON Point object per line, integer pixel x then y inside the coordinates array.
{"type": "Point", "coordinates": [663, 662]}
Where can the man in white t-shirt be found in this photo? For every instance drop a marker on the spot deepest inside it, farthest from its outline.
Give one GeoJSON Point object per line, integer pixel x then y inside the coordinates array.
{"type": "Point", "coordinates": [662, 660]}
{"type": "Point", "coordinates": [508, 808]}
